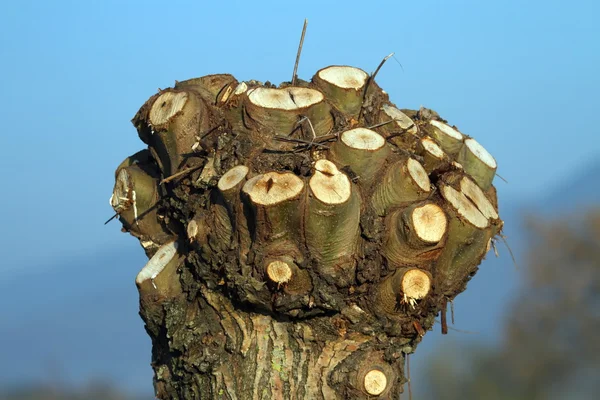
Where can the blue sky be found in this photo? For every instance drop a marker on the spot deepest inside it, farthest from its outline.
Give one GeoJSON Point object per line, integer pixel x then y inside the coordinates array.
{"type": "Point", "coordinates": [521, 77]}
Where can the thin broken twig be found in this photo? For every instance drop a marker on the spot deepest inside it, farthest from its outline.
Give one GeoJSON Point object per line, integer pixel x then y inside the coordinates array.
{"type": "Point", "coordinates": [294, 76]}
{"type": "Point", "coordinates": [180, 173]}
{"type": "Point", "coordinates": [381, 124]}
{"type": "Point", "coordinates": [379, 67]}
{"type": "Point", "coordinates": [460, 330]}
{"type": "Point", "coordinates": [398, 63]}
{"type": "Point", "coordinates": [505, 181]}
{"type": "Point", "coordinates": [111, 218]}
{"type": "Point", "coordinates": [408, 376]}
{"type": "Point", "coordinates": [371, 79]}
{"type": "Point", "coordinates": [509, 250]}
{"type": "Point", "coordinates": [300, 141]}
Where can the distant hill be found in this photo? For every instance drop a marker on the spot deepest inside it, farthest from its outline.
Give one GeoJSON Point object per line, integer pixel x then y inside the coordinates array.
{"type": "Point", "coordinates": [580, 191]}
{"type": "Point", "coordinates": [76, 322]}
{"type": "Point", "coordinates": [94, 391]}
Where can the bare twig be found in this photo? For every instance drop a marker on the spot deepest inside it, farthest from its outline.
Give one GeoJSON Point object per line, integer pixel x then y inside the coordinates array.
{"type": "Point", "coordinates": [299, 52]}
{"type": "Point", "coordinates": [460, 330]}
{"type": "Point", "coordinates": [408, 376]}
{"type": "Point", "coordinates": [444, 322]}
{"type": "Point", "coordinates": [301, 141]}
{"type": "Point", "coordinates": [418, 328]}
{"type": "Point", "coordinates": [180, 173]}
{"type": "Point", "coordinates": [509, 250]}
{"type": "Point", "coordinates": [327, 138]}
{"type": "Point", "coordinates": [381, 124]}
{"type": "Point", "coordinates": [396, 134]}
{"type": "Point", "coordinates": [111, 218]}
{"type": "Point", "coordinates": [452, 311]}
{"type": "Point", "coordinates": [371, 79]}
{"type": "Point", "coordinates": [309, 124]}
{"type": "Point", "coordinates": [398, 63]}
{"type": "Point", "coordinates": [505, 181]}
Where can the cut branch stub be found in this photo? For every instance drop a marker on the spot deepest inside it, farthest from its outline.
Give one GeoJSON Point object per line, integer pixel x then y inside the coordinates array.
{"type": "Point", "coordinates": [159, 276]}
{"type": "Point", "coordinates": [160, 288]}
{"type": "Point", "coordinates": [280, 111]}
{"type": "Point", "coordinates": [332, 221]}
{"type": "Point", "coordinates": [284, 272]}
{"type": "Point", "coordinates": [375, 382]}
{"type": "Point", "coordinates": [404, 286]}
{"type": "Point", "coordinates": [374, 376]}
{"type": "Point", "coordinates": [134, 198]}
{"type": "Point", "coordinates": [142, 157]}
{"type": "Point", "coordinates": [433, 155]}
{"type": "Point", "coordinates": [276, 202]}
{"type": "Point", "coordinates": [134, 192]}
{"type": "Point", "coordinates": [464, 208]}
{"type": "Point", "coordinates": [213, 88]}
{"type": "Point", "coordinates": [450, 139]}
{"type": "Point", "coordinates": [343, 86]}
{"type": "Point", "coordinates": [402, 128]}
{"type": "Point", "coordinates": [166, 106]}
{"type": "Point", "coordinates": [230, 186]}
{"type": "Point", "coordinates": [404, 181]}
{"type": "Point", "coordinates": [476, 195]}
{"type": "Point", "coordinates": [415, 235]}
{"type": "Point", "coordinates": [364, 150]}
{"type": "Point", "coordinates": [232, 105]}
{"type": "Point", "coordinates": [176, 119]}
{"type": "Point", "coordinates": [231, 182]}
{"type": "Point", "coordinates": [237, 91]}
{"type": "Point", "coordinates": [279, 272]}
{"type": "Point", "coordinates": [468, 234]}
{"type": "Point", "coordinates": [228, 210]}
{"type": "Point", "coordinates": [478, 163]}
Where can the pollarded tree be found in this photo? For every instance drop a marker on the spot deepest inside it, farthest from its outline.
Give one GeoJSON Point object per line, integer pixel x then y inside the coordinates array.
{"type": "Point", "coordinates": [302, 238]}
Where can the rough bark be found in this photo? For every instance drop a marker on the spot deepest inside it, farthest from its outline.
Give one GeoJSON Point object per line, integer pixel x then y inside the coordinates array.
{"type": "Point", "coordinates": [301, 238]}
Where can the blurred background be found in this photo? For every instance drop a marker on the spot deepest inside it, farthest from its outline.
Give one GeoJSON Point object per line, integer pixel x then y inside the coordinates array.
{"type": "Point", "coordinates": [520, 77]}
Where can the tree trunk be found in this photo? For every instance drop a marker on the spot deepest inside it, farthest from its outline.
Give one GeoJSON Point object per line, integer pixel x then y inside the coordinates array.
{"type": "Point", "coordinates": [301, 238]}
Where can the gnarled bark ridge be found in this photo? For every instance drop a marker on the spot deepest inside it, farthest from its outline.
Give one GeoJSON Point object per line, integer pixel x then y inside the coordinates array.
{"type": "Point", "coordinates": [301, 238]}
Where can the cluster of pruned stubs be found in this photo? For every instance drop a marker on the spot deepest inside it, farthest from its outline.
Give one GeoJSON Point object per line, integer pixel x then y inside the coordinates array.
{"type": "Point", "coordinates": [319, 198]}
